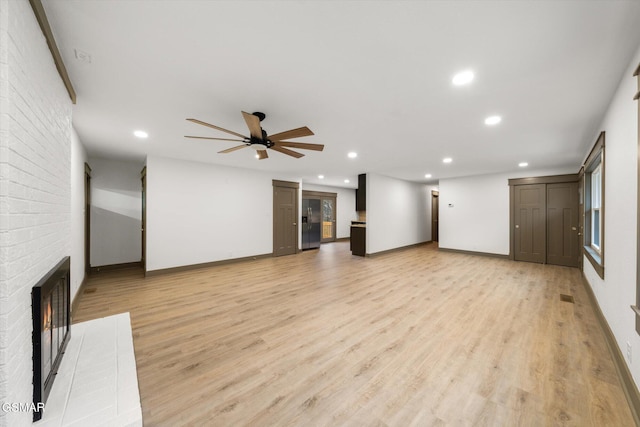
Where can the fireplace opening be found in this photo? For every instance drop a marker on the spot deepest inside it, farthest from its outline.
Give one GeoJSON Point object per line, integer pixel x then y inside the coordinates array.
{"type": "Point", "coordinates": [50, 307]}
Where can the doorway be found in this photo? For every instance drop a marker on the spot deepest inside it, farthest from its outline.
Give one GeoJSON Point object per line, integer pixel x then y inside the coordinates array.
{"type": "Point", "coordinates": [435, 215]}
{"type": "Point", "coordinates": [285, 213]}
{"type": "Point", "coordinates": [143, 178]}
{"type": "Point", "coordinates": [545, 220]}
{"type": "Point", "coordinates": [328, 213]}
{"type": "Point", "coordinates": [87, 219]}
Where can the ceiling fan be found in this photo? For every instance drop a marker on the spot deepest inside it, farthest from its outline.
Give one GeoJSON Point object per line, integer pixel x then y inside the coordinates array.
{"type": "Point", "coordinates": [259, 139]}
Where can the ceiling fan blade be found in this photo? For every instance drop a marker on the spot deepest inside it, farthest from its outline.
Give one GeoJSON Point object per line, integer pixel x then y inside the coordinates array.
{"type": "Point", "coordinates": [262, 154]}
{"type": "Point", "coordinates": [253, 122]}
{"type": "Point", "coordinates": [216, 139]}
{"type": "Point", "coordinates": [287, 151]}
{"type": "Point", "coordinates": [302, 145]}
{"type": "Point", "coordinates": [293, 133]}
{"type": "Point", "coordinates": [229, 150]}
{"type": "Point", "coordinates": [200, 122]}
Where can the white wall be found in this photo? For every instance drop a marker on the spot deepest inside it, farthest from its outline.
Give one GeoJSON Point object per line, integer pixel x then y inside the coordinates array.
{"type": "Point", "coordinates": [478, 219]}
{"type": "Point", "coordinates": [35, 153]}
{"type": "Point", "coordinates": [346, 207]}
{"type": "Point", "coordinates": [398, 213]}
{"type": "Point", "coordinates": [78, 159]}
{"type": "Point", "coordinates": [199, 213]}
{"type": "Point", "coordinates": [618, 290]}
{"type": "Point", "coordinates": [116, 212]}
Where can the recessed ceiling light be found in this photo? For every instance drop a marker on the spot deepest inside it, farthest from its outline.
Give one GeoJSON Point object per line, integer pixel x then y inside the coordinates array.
{"type": "Point", "coordinates": [447, 160]}
{"type": "Point", "coordinates": [428, 175]}
{"type": "Point", "coordinates": [462, 78]}
{"type": "Point", "coordinates": [492, 120]}
{"type": "Point", "coordinates": [523, 164]}
{"type": "Point", "coordinates": [321, 176]}
{"type": "Point", "coordinates": [346, 181]}
{"type": "Point", "coordinates": [352, 155]}
{"type": "Point", "coordinates": [141, 134]}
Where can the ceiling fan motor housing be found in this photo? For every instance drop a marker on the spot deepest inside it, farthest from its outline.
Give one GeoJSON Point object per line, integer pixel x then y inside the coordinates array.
{"type": "Point", "coordinates": [260, 115]}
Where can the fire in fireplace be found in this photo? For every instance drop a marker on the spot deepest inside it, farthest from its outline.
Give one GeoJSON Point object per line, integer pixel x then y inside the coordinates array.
{"type": "Point", "coordinates": [51, 329]}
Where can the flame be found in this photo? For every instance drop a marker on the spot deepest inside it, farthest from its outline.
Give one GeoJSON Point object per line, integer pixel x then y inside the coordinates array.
{"type": "Point", "coordinates": [46, 325]}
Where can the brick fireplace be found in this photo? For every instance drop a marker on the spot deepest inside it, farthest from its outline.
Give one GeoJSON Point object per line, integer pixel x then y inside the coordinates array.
{"type": "Point", "coordinates": [51, 329]}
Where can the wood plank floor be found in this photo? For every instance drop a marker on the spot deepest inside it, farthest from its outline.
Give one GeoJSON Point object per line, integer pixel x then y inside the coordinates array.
{"type": "Point", "coordinates": [413, 338]}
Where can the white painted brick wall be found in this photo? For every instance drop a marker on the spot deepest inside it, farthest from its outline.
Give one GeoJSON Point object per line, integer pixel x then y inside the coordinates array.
{"type": "Point", "coordinates": [35, 130]}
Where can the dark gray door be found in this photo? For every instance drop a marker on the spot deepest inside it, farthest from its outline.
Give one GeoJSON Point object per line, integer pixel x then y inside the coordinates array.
{"type": "Point", "coordinates": [562, 224]}
{"type": "Point", "coordinates": [285, 212]}
{"type": "Point", "coordinates": [87, 219]}
{"type": "Point", "coordinates": [530, 223]}
{"type": "Point", "coordinates": [144, 218]}
{"type": "Point", "coordinates": [581, 218]}
{"type": "Point", "coordinates": [435, 211]}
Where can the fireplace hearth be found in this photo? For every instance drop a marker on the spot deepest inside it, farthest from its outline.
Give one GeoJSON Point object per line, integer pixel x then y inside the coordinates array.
{"type": "Point", "coordinates": [51, 329]}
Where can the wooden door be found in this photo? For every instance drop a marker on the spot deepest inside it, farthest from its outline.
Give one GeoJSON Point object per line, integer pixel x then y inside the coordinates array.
{"type": "Point", "coordinates": [580, 218]}
{"type": "Point", "coordinates": [530, 223]}
{"type": "Point", "coordinates": [285, 224]}
{"type": "Point", "coordinates": [87, 219]}
{"type": "Point", "coordinates": [435, 212]}
{"type": "Point", "coordinates": [143, 258]}
{"type": "Point", "coordinates": [562, 224]}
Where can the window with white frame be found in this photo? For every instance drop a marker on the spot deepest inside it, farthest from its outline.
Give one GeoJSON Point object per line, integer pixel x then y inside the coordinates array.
{"type": "Point", "coordinates": [594, 185]}
{"type": "Point", "coordinates": [596, 198]}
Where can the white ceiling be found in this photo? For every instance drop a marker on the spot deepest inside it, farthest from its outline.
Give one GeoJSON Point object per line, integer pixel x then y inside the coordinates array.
{"type": "Point", "coordinates": [367, 76]}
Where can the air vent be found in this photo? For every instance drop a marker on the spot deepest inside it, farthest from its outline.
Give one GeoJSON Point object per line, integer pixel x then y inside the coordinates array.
{"type": "Point", "coordinates": [566, 298]}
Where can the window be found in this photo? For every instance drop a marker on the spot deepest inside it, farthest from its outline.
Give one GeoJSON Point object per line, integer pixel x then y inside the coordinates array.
{"type": "Point", "coordinates": [594, 186]}
{"type": "Point", "coordinates": [596, 218]}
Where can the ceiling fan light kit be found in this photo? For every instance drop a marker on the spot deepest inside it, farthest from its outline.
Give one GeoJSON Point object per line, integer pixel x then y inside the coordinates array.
{"type": "Point", "coordinates": [260, 141]}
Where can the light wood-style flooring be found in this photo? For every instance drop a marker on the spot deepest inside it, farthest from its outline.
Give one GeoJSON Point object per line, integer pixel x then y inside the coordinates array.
{"type": "Point", "coordinates": [417, 337]}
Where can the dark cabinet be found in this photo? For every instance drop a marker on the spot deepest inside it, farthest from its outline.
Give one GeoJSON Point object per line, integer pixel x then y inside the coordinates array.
{"type": "Point", "coordinates": [361, 193]}
{"type": "Point", "coordinates": [358, 240]}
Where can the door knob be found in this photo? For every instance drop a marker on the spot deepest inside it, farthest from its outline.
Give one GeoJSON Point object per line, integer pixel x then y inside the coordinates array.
{"type": "Point", "coordinates": [517, 226]}
{"type": "Point", "coordinates": [295, 223]}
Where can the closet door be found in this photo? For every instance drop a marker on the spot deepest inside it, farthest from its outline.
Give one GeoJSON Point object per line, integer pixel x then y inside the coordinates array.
{"type": "Point", "coordinates": [563, 246]}
{"type": "Point", "coordinates": [530, 223]}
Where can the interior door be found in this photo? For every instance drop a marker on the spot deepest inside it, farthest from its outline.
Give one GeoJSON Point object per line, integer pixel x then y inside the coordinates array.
{"type": "Point", "coordinates": [562, 224]}
{"type": "Point", "coordinates": [87, 219]}
{"type": "Point", "coordinates": [285, 227]}
{"type": "Point", "coordinates": [530, 222]}
{"type": "Point", "coordinates": [435, 212]}
{"type": "Point", "coordinates": [143, 258]}
{"type": "Point", "coordinates": [580, 217]}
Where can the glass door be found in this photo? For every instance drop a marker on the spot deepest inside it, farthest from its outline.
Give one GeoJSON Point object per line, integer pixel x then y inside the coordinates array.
{"type": "Point", "coordinates": [328, 219]}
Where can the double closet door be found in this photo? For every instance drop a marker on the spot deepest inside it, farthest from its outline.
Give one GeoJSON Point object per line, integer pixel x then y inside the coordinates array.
{"type": "Point", "coordinates": [545, 221]}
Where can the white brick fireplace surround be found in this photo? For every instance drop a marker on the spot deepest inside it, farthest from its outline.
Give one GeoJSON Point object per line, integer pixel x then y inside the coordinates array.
{"type": "Point", "coordinates": [97, 382]}
{"type": "Point", "coordinates": [35, 190]}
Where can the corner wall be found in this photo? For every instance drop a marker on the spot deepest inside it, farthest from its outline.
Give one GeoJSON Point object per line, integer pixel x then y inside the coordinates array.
{"type": "Point", "coordinates": [200, 213]}
{"type": "Point", "coordinates": [398, 213]}
{"type": "Point", "coordinates": [617, 291]}
{"type": "Point", "coordinates": [474, 210]}
{"type": "Point", "coordinates": [78, 159]}
{"type": "Point", "coordinates": [35, 187]}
